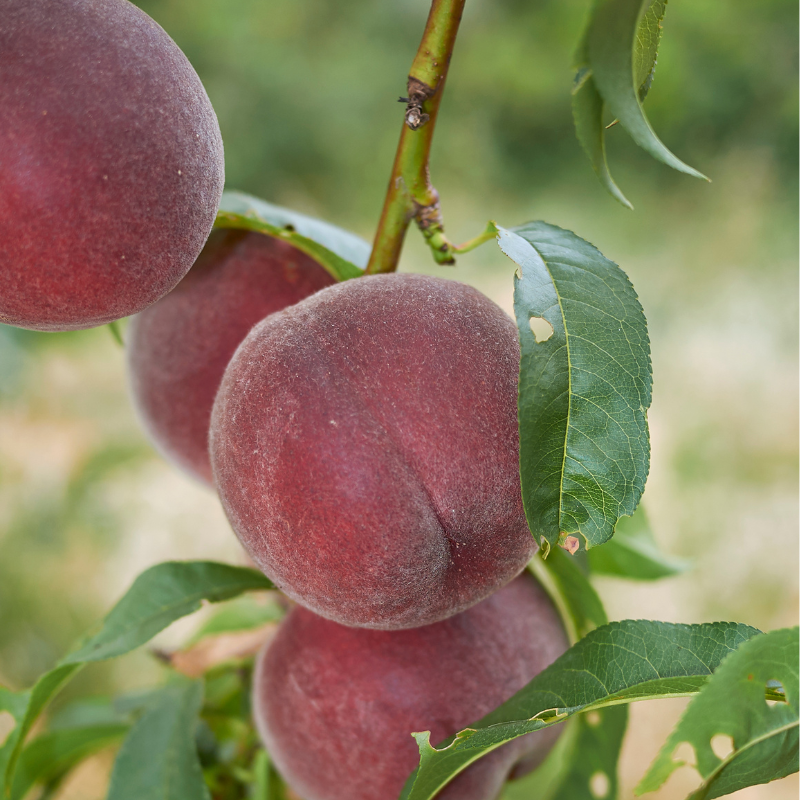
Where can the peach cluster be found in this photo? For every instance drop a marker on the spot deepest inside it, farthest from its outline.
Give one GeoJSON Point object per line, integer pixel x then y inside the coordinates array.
{"type": "Point", "coordinates": [362, 436]}
{"type": "Point", "coordinates": [363, 441]}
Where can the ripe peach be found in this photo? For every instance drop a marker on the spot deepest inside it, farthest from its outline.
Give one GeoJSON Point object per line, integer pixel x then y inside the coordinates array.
{"type": "Point", "coordinates": [178, 348]}
{"type": "Point", "coordinates": [364, 444]}
{"type": "Point", "coordinates": [111, 168]}
{"type": "Point", "coordinates": [336, 706]}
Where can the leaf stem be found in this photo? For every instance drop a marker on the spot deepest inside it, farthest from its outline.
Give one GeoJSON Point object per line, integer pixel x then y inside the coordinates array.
{"type": "Point", "coordinates": [488, 234]}
{"type": "Point", "coordinates": [410, 194]}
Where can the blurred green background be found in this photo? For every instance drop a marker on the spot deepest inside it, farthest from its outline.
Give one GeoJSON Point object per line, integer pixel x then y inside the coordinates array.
{"type": "Point", "coordinates": [306, 93]}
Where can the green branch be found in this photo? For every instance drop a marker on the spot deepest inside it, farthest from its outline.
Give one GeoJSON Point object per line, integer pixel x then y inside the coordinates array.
{"type": "Point", "coordinates": [410, 194]}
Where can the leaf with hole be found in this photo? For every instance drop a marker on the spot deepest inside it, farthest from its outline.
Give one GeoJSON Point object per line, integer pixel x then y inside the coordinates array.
{"type": "Point", "coordinates": [583, 392]}
{"type": "Point", "coordinates": [739, 702]}
{"type": "Point", "coordinates": [158, 760]}
{"type": "Point", "coordinates": [633, 553]}
{"type": "Point", "coordinates": [583, 764]}
{"type": "Point", "coordinates": [342, 253]}
{"type": "Point", "coordinates": [618, 663]}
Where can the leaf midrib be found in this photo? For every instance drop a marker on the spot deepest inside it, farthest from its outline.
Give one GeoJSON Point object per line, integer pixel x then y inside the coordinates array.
{"type": "Point", "coordinates": [569, 394]}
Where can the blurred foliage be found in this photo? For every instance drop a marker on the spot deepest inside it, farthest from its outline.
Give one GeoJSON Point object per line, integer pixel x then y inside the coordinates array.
{"type": "Point", "coordinates": [306, 94]}
{"type": "Point", "coordinates": [306, 91]}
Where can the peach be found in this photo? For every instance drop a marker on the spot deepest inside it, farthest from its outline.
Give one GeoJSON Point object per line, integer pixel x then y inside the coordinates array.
{"type": "Point", "coordinates": [364, 444]}
{"type": "Point", "coordinates": [111, 169]}
{"type": "Point", "coordinates": [336, 706]}
{"type": "Point", "coordinates": [178, 348]}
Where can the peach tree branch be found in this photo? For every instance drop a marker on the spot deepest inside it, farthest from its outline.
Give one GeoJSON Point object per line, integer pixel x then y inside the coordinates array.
{"type": "Point", "coordinates": [410, 194]}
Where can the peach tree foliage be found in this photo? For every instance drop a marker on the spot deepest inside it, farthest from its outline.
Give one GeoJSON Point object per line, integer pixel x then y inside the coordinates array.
{"type": "Point", "coordinates": [584, 391]}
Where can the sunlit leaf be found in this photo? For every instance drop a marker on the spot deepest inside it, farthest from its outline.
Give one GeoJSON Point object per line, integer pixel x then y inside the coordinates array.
{"type": "Point", "coordinates": [267, 784]}
{"type": "Point", "coordinates": [734, 704]}
{"type": "Point", "coordinates": [545, 780]}
{"type": "Point", "coordinates": [28, 706]}
{"type": "Point", "coordinates": [87, 712]}
{"type": "Point", "coordinates": [584, 390]}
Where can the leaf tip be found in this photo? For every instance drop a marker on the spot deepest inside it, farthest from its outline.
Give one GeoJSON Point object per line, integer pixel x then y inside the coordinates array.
{"type": "Point", "coordinates": [624, 201]}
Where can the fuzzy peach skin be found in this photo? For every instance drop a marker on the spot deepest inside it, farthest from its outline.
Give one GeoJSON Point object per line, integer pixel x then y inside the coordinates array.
{"type": "Point", "coordinates": [111, 164]}
{"type": "Point", "coordinates": [364, 444]}
{"type": "Point", "coordinates": [336, 706]}
{"type": "Point", "coordinates": [179, 347]}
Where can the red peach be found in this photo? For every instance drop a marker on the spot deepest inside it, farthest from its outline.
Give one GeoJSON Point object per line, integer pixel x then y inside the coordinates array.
{"type": "Point", "coordinates": [364, 443]}
{"type": "Point", "coordinates": [336, 706]}
{"type": "Point", "coordinates": [178, 348]}
{"type": "Point", "coordinates": [111, 168]}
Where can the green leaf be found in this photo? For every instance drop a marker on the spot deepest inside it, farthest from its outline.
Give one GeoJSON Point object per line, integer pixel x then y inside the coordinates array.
{"type": "Point", "coordinates": [28, 707]}
{"type": "Point", "coordinates": [733, 704]}
{"type": "Point", "coordinates": [239, 615]}
{"type": "Point", "coordinates": [50, 755]}
{"type": "Point", "coordinates": [159, 760]}
{"type": "Point", "coordinates": [562, 578]}
{"type": "Point", "coordinates": [15, 704]}
{"type": "Point", "coordinates": [587, 751]}
{"type": "Point", "coordinates": [88, 712]}
{"type": "Point", "coordinates": [587, 113]}
{"type": "Point", "coordinates": [618, 663]}
{"type": "Point", "coordinates": [633, 553]}
{"type": "Point", "coordinates": [267, 783]}
{"type": "Point", "coordinates": [645, 48]}
{"type": "Point", "coordinates": [158, 597]}
{"type": "Point", "coordinates": [342, 253]}
{"type": "Point", "coordinates": [625, 53]}
{"type": "Point", "coordinates": [596, 756]}
{"type": "Point", "coordinates": [116, 333]}
{"type": "Point", "coordinates": [611, 43]}
{"type": "Point", "coordinates": [584, 390]}
{"type": "Point", "coordinates": [544, 782]}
